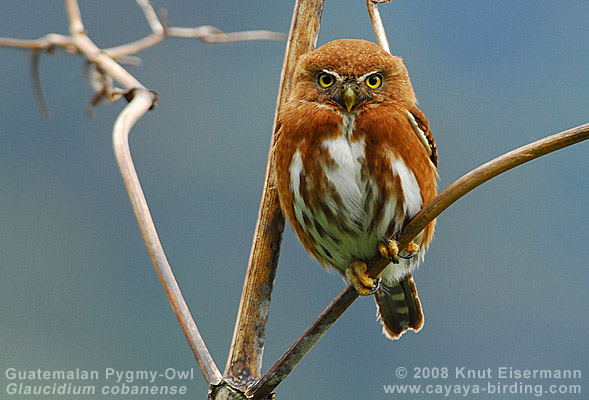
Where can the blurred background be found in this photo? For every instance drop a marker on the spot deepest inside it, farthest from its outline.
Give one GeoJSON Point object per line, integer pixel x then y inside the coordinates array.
{"type": "Point", "coordinates": [504, 284]}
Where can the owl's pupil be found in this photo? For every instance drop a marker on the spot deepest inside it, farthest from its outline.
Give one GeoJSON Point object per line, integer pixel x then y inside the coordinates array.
{"type": "Point", "coordinates": [373, 81]}
{"type": "Point", "coordinates": [325, 80]}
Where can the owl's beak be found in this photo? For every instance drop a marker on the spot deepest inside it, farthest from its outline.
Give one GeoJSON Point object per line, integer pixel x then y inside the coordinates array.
{"type": "Point", "coordinates": [350, 96]}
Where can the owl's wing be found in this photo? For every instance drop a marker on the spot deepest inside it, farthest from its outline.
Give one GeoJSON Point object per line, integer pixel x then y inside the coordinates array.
{"type": "Point", "coordinates": [420, 126]}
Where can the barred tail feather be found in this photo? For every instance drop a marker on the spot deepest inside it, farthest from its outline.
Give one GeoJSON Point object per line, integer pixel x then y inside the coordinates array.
{"type": "Point", "coordinates": [398, 307]}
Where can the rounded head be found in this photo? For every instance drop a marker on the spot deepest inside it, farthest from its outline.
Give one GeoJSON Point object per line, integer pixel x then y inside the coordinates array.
{"type": "Point", "coordinates": [351, 74]}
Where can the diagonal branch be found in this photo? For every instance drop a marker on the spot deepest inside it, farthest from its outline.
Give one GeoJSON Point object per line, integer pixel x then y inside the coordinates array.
{"type": "Point", "coordinates": [141, 102]}
{"type": "Point", "coordinates": [428, 213]}
{"type": "Point", "coordinates": [245, 359]}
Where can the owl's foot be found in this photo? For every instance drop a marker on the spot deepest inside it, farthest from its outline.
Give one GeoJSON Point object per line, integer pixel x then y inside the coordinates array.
{"type": "Point", "coordinates": [390, 250]}
{"type": "Point", "coordinates": [364, 284]}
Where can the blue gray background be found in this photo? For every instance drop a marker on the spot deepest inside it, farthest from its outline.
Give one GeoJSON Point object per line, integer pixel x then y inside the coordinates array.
{"type": "Point", "coordinates": [504, 284]}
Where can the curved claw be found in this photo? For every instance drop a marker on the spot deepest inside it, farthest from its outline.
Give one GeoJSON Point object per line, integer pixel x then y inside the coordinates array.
{"type": "Point", "coordinates": [376, 286]}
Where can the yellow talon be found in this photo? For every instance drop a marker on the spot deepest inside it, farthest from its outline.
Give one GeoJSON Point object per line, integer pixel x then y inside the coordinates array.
{"type": "Point", "coordinates": [364, 284]}
{"type": "Point", "coordinates": [412, 249]}
{"type": "Point", "coordinates": [390, 250]}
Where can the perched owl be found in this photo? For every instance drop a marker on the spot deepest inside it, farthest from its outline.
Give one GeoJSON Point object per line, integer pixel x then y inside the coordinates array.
{"type": "Point", "coordinates": [355, 160]}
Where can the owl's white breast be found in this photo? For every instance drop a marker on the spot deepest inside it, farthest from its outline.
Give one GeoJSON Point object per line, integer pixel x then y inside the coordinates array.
{"type": "Point", "coordinates": [345, 173]}
{"type": "Point", "coordinates": [353, 199]}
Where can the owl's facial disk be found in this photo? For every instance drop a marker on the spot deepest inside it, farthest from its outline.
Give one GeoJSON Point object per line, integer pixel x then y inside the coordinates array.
{"type": "Point", "coordinates": [349, 92]}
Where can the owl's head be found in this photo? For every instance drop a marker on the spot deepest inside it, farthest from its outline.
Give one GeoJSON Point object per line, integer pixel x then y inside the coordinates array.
{"type": "Point", "coordinates": [352, 74]}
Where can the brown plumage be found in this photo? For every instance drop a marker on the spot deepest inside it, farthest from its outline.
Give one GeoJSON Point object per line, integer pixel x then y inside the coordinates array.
{"type": "Point", "coordinates": [355, 160]}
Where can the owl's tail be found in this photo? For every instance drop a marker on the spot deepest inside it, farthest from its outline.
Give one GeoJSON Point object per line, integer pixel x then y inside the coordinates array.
{"type": "Point", "coordinates": [398, 307]}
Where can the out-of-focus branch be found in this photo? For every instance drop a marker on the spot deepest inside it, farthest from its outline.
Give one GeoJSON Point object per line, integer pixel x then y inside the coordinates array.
{"type": "Point", "coordinates": [208, 34]}
{"type": "Point", "coordinates": [151, 16]}
{"type": "Point", "coordinates": [45, 42]}
{"type": "Point", "coordinates": [122, 53]}
{"type": "Point", "coordinates": [37, 87]}
{"type": "Point", "coordinates": [427, 214]}
{"type": "Point", "coordinates": [141, 100]}
{"type": "Point", "coordinates": [245, 359]}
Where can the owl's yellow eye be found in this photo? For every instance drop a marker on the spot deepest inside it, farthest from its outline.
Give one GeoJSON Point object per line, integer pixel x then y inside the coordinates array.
{"type": "Point", "coordinates": [325, 80]}
{"type": "Point", "coordinates": [374, 81]}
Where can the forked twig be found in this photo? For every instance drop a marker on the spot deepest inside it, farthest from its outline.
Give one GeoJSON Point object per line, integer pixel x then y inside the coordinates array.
{"type": "Point", "coordinates": [141, 100]}
{"type": "Point", "coordinates": [123, 53]}
{"type": "Point", "coordinates": [206, 33]}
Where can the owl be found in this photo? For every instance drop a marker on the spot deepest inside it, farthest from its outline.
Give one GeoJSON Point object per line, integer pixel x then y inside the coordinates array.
{"type": "Point", "coordinates": [355, 161]}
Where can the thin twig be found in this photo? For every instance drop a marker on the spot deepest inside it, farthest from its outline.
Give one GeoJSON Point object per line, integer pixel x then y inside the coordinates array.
{"type": "Point", "coordinates": [377, 24]}
{"type": "Point", "coordinates": [244, 36]}
{"type": "Point", "coordinates": [37, 86]}
{"type": "Point", "coordinates": [75, 16]}
{"type": "Point", "coordinates": [245, 359]}
{"type": "Point", "coordinates": [206, 33]}
{"type": "Point", "coordinates": [428, 213]}
{"type": "Point", "coordinates": [45, 42]}
{"type": "Point", "coordinates": [151, 16]}
{"type": "Point", "coordinates": [135, 46]}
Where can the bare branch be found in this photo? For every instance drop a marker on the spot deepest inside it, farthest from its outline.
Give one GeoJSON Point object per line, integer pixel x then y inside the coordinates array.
{"type": "Point", "coordinates": [86, 47]}
{"type": "Point", "coordinates": [428, 213]}
{"type": "Point", "coordinates": [46, 42]}
{"type": "Point", "coordinates": [377, 24]}
{"type": "Point", "coordinates": [37, 86]}
{"type": "Point", "coordinates": [244, 36]}
{"type": "Point", "coordinates": [134, 47]}
{"type": "Point", "coordinates": [141, 100]}
{"type": "Point", "coordinates": [245, 359]}
{"type": "Point", "coordinates": [208, 34]}
{"type": "Point", "coordinates": [481, 175]}
{"type": "Point", "coordinates": [151, 17]}
{"type": "Point", "coordinates": [52, 41]}
{"type": "Point", "coordinates": [75, 17]}
{"type": "Point", "coordinates": [289, 360]}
